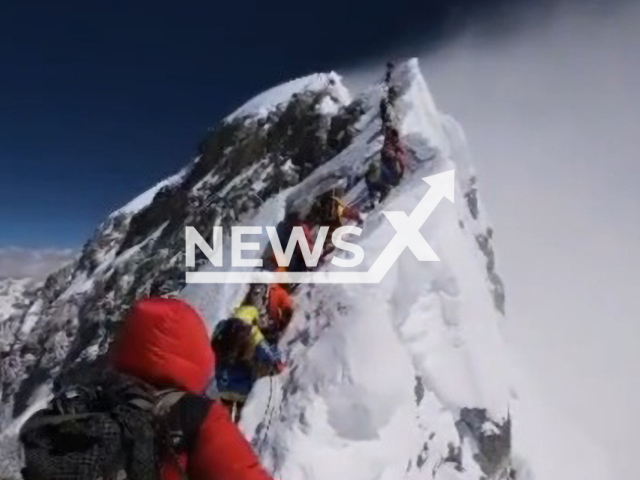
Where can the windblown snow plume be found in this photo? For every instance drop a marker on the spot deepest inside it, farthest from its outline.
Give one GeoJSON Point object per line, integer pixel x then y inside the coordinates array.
{"type": "Point", "coordinates": [404, 379]}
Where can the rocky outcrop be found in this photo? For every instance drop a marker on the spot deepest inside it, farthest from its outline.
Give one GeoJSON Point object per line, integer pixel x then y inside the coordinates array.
{"type": "Point", "coordinates": [242, 162]}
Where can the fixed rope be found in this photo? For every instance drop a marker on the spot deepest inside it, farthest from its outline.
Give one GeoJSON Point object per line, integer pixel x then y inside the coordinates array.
{"type": "Point", "coordinates": [264, 417]}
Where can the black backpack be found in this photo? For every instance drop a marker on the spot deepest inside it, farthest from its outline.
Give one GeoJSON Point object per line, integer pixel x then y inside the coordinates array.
{"type": "Point", "coordinates": [117, 429]}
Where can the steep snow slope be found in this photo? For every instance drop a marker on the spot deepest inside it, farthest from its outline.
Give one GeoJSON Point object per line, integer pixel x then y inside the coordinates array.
{"type": "Point", "coordinates": [404, 379]}
{"type": "Point", "coordinates": [144, 199]}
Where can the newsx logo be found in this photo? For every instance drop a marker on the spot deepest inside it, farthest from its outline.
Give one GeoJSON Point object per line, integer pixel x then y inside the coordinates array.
{"type": "Point", "coordinates": [407, 235]}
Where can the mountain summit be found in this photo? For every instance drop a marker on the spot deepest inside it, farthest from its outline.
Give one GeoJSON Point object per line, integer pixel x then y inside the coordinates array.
{"type": "Point", "coordinates": [407, 378]}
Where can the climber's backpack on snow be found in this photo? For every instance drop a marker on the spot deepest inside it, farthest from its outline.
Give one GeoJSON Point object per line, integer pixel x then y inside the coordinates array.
{"type": "Point", "coordinates": [115, 430]}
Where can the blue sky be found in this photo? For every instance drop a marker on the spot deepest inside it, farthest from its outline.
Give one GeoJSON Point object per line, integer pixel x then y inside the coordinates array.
{"type": "Point", "coordinates": [100, 100]}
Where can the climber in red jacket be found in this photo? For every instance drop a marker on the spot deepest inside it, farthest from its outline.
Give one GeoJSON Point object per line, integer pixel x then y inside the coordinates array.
{"type": "Point", "coordinates": [393, 157]}
{"type": "Point", "coordinates": [164, 342]}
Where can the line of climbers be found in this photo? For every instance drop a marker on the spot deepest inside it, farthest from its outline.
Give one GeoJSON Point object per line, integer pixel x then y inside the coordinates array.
{"type": "Point", "coordinates": [386, 173]}
{"type": "Point", "coordinates": [146, 416]}
{"type": "Point", "coordinates": [248, 341]}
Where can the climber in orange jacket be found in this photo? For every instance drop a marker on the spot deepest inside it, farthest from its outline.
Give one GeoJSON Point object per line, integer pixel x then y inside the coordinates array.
{"type": "Point", "coordinates": [279, 311]}
{"type": "Point", "coordinates": [164, 343]}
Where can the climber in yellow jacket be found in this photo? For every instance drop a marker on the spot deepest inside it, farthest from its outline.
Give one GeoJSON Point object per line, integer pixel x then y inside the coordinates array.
{"type": "Point", "coordinates": [243, 356]}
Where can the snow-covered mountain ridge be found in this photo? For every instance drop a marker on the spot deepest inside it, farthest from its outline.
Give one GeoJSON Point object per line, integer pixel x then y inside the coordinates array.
{"type": "Point", "coordinates": [405, 379]}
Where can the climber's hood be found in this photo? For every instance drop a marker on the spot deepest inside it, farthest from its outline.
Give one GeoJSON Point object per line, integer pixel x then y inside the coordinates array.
{"type": "Point", "coordinates": [164, 342]}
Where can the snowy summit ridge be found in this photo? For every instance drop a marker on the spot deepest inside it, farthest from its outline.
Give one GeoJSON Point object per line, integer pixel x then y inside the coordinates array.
{"type": "Point", "coordinates": [404, 379]}
{"type": "Point", "coordinates": [268, 101]}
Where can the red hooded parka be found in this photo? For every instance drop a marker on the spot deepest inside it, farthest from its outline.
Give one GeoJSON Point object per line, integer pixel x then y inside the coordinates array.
{"type": "Point", "coordinates": [164, 342]}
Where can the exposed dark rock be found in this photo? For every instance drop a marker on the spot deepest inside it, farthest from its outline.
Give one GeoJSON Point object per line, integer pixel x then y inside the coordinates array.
{"type": "Point", "coordinates": [418, 390]}
{"type": "Point", "coordinates": [454, 455]}
{"type": "Point", "coordinates": [341, 132]}
{"type": "Point", "coordinates": [497, 290]}
{"type": "Point", "coordinates": [472, 198]}
{"type": "Point", "coordinates": [423, 456]}
{"type": "Point", "coordinates": [493, 440]}
{"type": "Point", "coordinates": [77, 310]}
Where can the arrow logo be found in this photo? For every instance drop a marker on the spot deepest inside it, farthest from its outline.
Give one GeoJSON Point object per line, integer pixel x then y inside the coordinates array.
{"type": "Point", "coordinates": [407, 235]}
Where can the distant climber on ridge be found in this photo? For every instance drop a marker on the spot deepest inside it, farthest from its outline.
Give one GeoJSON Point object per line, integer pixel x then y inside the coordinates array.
{"type": "Point", "coordinates": [387, 102]}
{"type": "Point", "coordinates": [284, 231]}
{"type": "Point", "coordinates": [343, 213]}
{"type": "Point", "coordinates": [393, 157]}
{"type": "Point", "coordinates": [387, 107]}
{"type": "Point", "coordinates": [386, 172]}
{"type": "Point", "coordinates": [387, 76]}
{"type": "Point", "coordinates": [332, 210]}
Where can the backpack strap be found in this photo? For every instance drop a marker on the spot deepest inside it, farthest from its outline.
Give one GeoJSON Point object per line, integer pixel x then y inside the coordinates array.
{"type": "Point", "coordinates": [180, 415]}
{"type": "Point", "coordinates": [165, 400]}
{"type": "Point", "coordinates": [184, 419]}
{"type": "Point", "coordinates": [158, 403]}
